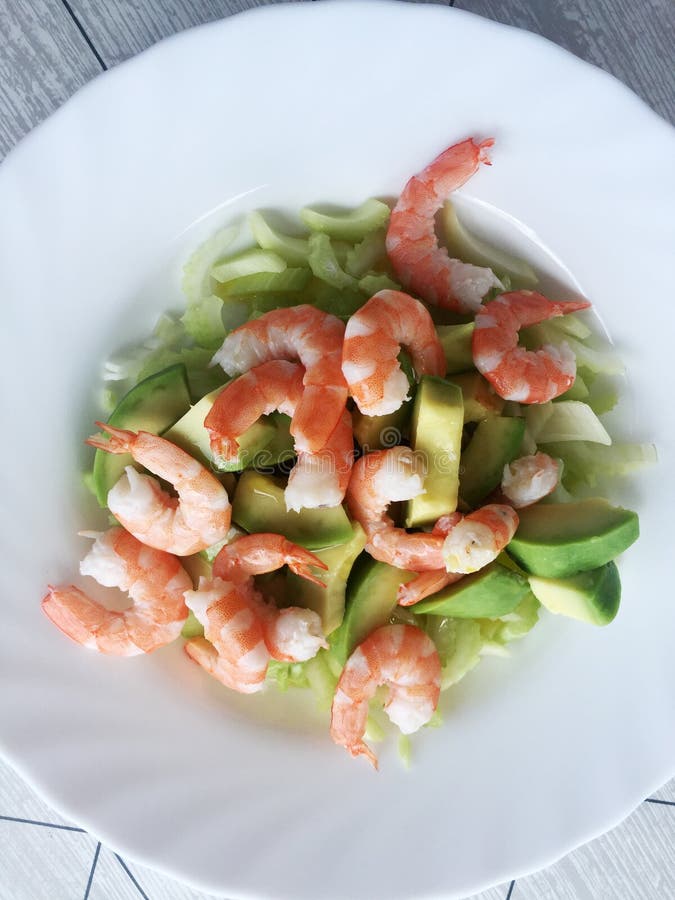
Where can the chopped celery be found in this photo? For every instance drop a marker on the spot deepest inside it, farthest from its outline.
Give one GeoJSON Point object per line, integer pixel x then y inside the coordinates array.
{"type": "Point", "coordinates": [261, 282]}
{"type": "Point", "coordinates": [285, 674]}
{"type": "Point", "coordinates": [197, 270]}
{"type": "Point", "coordinates": [294, 250]}
{"type": "Point", "coordinates": [342, 303]}
{"type": "Point", "coordinates": [567, 420]}
{"type": "Point", "coordinates": [203, 321]}
{"type": "Point", "coordinates": [572, 325]}
{"type": "Point", "coordinates": [367, 254]}
{"type": "Point", "coordinates": [585, 463]}
{"type": "Point", "coordinates": [515, 624]}
{"type": "Point", "coordinates": [594, 354]}
{"type": "Point", "coordinates": [578, 391]}
{"type": "Point", "coordinates": [463, 245]}
{"type": "Point", "coordinates": [465, 654]}
{"type": "Point", "coordinates": [372, 283]}
{"type": "Point", "coordinates": [353, 225]}
{"type": "Point", "coordinates": [192, 627]}
{"type": "Point", "coordinates": [321, 679]}
{"type": "Point", "coordinates": [248, 262]}
{"type": "Point", "coordinates": [603, 394]}
{"type": "Point", "coordinates": [404, 749]}
{"type": "Point", "coordinates": [324, 263]}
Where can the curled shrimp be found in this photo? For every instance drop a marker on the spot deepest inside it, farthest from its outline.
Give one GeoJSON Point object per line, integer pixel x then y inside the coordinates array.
{"type": "Point", "coordinates": [242, 630]}
{"type": "Point", "coordinates": [378, 479]}
{"type": "Point", "coordinates": [296, 333]}
{"type": "Point", "coordinates": [198, 517]}
{"type": "Point", "coordinates": [527, 479]}
{"type": "Point", "coordinates": [427, 583]}
{"type": "Point", "coordinates": [418, 260]}
{"type": "Point", "coordinates": [373, 338]}
{"type": "Point", "coordinates": [155, 581]}
{"type": "Point", "coordinates": [317, 479]}
{"type": "Point", "coordinates": [516, 373]}
{"type": "Point", "coordinates": [400, 656]}
{"type": "Point", "coordinates": [479, 538]}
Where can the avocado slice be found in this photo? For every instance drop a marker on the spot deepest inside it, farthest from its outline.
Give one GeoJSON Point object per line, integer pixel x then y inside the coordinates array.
{"type": "Point", "coordinates": [436, 433]}
{"type": "Point", "coordinates": [591, 596]}
{"type": "Point", "coordinates": [556, 540]}
{"type": "Point", "coordinates": [456, 343]}
{"type": "Point", "coordinates": [152, 405]}
{"type": "Point", "coordinates": [494, 591]}
{"type": "Point", "coordinates": [258, 505]}
{"type": "Point", "coordinates": [496, 442]}
{"type": "Point", "coordinates": [480, 398]}
{"type": "Point", "coordinates": [371, 598]}
{"type": "Point", "coordinates": [328, 601]}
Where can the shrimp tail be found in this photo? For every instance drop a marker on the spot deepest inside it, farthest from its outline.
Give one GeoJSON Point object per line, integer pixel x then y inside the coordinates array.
{"type": "Point", "coordinates": [425, 585]}
{"type": "Point", "coordinates": [302, 561]}
{"type": "Point", "coordinates": [483, 155]}
{"type": "Point", "coordinates": [119, 440]}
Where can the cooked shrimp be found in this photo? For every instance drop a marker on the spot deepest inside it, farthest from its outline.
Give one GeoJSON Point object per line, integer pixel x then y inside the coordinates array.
{"type": "Point", "coordinates": [244, 630]}
{"type": "Point", "coordinates": [479, 538]}
{"type": "Point", "coordinates": [155, 582]}
{"type": "Point", "coordinates": [529, 478]}
{"type": "Point", "coordinates": [373, 338]}
{"type": "Point", "coordinates": [198, 517]}
{"type": "Point", "coordinates": [400, 656]}
{"type": "Point", "coordinates": [378, 479]}
{"type": "Point", "coordinates": [317, 479]}
{"type": "Point", "coordinates": [296, 333]}
{"type": "Point", "coordinates": [516, 373]}
{"type": "Point", "coordinates": [418, 260]}
{"type": "Point", "coordinates": [427, 583]}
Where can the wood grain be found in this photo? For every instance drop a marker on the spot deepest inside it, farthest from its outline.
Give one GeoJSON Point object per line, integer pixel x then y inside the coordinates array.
{"type": "Point", "coordinates": [632, 39]}
{"type": "Point", "coordinates": [43, 60]}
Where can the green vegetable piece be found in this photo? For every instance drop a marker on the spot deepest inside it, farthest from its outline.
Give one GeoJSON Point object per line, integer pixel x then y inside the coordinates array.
{"type": "Point", "coordinates": [436, 433]}
{"type": "Point", "coordinates": [342, 303]}
{"type": "Point", "coordinates": [248, 262]}
{"type": "Point", "coordinates": [456, 343]}
{"type": "Point", "coordinates": [492, 592]}
{"type": "Point", "coordinates": [373, 283]}
{"type": "Point", "coordinates": [592, 596]}
{"type": "Point", "coordinates": [480, 399]}
{"type": "Point", "coordinates": [556, 540]}
{"type": "Point", "coordinates": [353, 225]}
{"type": "Point", "coordinates": [325, 266]}
{"type": "Point", "coordinates": [152, 405]}
{"type": "Point", "coordinates": [290, 280]}
{"type": "Point", "coordinates": [328, 601]}
{"type": "Point", "coordinates": [259, 505]}
{"type": "Point", "coordinates": [495, 442]}
{"type": "Point", "coordinates": [367, 255]}
{"type": "Point", "coordinates": [585, 463]}
{"type": "Point", "coordinates": [203, 321]}
{"type": "Point", "coordinates": [463, 245]}
{"type": "Point", "coordinates": [197, 271]}
{"type": "Point", "coordinates": [371, 600]}
{"type": "Point", "coordinates": [294, 250]}
{"type": "Point", "coordinates": [578, 391]}
{"type": "Point", "coordinates": [192, 628]}
{"type": "Point", "coordinates": [567, 420]}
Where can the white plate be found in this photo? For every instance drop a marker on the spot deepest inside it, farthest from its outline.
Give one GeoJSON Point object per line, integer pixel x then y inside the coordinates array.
{"type": "Point", "coordinates": [97, 208]}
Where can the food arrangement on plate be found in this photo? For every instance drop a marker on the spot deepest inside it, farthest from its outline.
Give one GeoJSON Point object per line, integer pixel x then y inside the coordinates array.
{"type": "Point", "coordinates": [360, 458]}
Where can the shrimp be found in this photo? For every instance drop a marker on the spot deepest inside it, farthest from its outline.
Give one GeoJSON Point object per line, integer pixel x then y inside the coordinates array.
{"type": "Point", "coordinates": [400, 656]}
{"type": "Point", "coordinates": [479, 538]}
{"type": "Point", "coordinates": [418, 260]}
{"type": "Point", "coordinates": [379, 479]}
{"type": "Point", "coordinates": [317, 479]}
{"type": "Point", "coordinates": [373, 339]}
{"type": "Point", "coordinates": [199, 517]}
{"type": "Point", "coordinates": [155, 581]}
{"type": "Point", "coordinates": [529, 478]}
{"type": "Point", "coordinates": [514, 372]}
{"type": "Point", "coordinates": [244, 630]}
{"type": "Point", "coordinates": [315, 338]}
{"type": "Point", "coordinates": [427, 583]}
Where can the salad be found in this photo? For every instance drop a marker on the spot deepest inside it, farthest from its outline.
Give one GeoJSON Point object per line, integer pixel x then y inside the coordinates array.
{"type": "Point", "coordinates": [363, 457]}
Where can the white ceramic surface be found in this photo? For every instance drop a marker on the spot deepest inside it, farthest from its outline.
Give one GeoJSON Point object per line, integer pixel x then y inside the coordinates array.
{"type": "Point", "coordinates": [292, 104]}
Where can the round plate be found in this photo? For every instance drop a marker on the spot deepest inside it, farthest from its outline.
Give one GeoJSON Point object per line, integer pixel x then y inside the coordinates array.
{"type": "Point", "coordinates": [98, 207]}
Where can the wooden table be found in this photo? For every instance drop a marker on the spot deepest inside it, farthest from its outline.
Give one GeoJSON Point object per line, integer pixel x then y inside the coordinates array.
{"type": "Point", "coordinates": [50, 48]}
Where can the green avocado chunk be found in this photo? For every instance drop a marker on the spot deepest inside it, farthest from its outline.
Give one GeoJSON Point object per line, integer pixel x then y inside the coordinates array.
{"type": "Point", "coordinates": [591, 596]}
{"type": "Point", "coordinates": [556, 540]}
{"type": "Point", "coordinates": [259, 506]}
{"type": "Point", "coordinates": [492, 592]}
{"type": "Point", "coordinates": [436, 433]}
{"type": "Point", "coordinates": [371, 598]}
{"type": "Point", "coordinates": [456, 343]}
{"type": "Point", "coordinates": [496, 442]}
{"type": "Point", "coordinates": [152, 405]}
{"type": "Point", "coordinates": [328, 601]}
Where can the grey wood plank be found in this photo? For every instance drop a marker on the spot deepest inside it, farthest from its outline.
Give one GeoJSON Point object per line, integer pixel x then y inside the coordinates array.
{"type": "Point", "coordinates": [632, 39]}
{"type": "Point", "coordinates": [43, 60]}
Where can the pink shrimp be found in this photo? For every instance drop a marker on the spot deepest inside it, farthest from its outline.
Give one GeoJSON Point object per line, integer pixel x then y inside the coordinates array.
{"type": "Point", "coordinates": [373, 338]}
{"type": "Point", "coordinates": [479, 538]}
{"type": "Point", "coordinates": [378, 479]}
{"type": "Point", "coordinates": [317, 479]}
{"type": "Point", "coordinates": [296, 333]}
{"type": "Point", "coordinates": [527, 479]}
{"type": "Point", "coordinates": [244, 630]}
{"type": "Point", "coordinates": [400, 656]}
{"type": "Point", "coordinates": [516, 373]}
{"type": "Point", "coordinates": [155, 581]}
{"type": "Point", "coordinates": [412, 246]}
{"type": "Point", "coordinates": [199, 517]}
{"type": "Point", "coordinates": [427, 583]}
